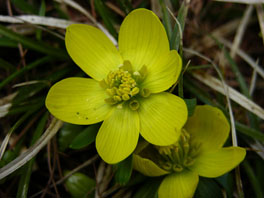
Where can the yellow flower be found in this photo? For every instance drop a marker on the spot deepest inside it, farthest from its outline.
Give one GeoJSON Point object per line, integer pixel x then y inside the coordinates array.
{"type": "Point", "coordinates": [126, 88]}
{"type": "Point", "coordinates": [198, 152]}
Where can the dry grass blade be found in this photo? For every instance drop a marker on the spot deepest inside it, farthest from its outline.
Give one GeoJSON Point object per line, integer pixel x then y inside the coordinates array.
{"type": "Point", "coordinates": [258, 147]}
{"type": "Point", "coordinates": [4, 145]}
{"type": "Point", "coordinates": [227, 93]}
{"type": "Point", "coordinates": [241, 30]}
{"type": "Point", "coordinates": [5, 104]}
{"type": "Point", "coordinates": [8, 98]}
{"type": "Point", "coordinates": [244, 56]}
{"type": "Point", "coordinates": [32, 82]}
{"type": "Point", "coordinates": [225, 90]}
{"type": "Point", "coordinates": [260, 13]}
{"type": "Point", "coordinates": [237, 97]}
{"type": "Point", "coordinates": [38, 20]}
{"type": "Point", "coordinates": [89, 16]}
{"type": "Point", "coordinates": [115, 9]}
{"type": "Point", "coordinates": [76, 6]}
{"type": "Point", "coordinates": [4, 109]}
{"type": "Point", "coordinates": [155, 7]}
{"type": "Point", "coordinates": [253, 82]}
{"type": "Point", "coordinates": [207, 41]}
{"type": "Point", "coordinates": [53, 128]}
{"type": "Point", "coordinates": [243, 1]}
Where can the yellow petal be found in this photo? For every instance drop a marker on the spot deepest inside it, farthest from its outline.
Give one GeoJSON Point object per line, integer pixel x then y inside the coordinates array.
{"type": "Point", "coordinates": [164, 73]}
{"type": "Point", "coordinates": [179, 185]}
{"type": "Point", "coordinates": [118, 135]}
{"type": "Point", "coordinates": [91, 50]}
{"type": "Point", "coordinates": [217, 163]}
{"type": "Point", "coordinates": [78, 101]}
{"type": "Point", "coordinates": [147, 167]}
{"type": "Point", "coordinates": [209, 126]}
{"type": "Point", "coordinates": [162, 117]}
{"type": "Point", "coordinates": [142, 39]}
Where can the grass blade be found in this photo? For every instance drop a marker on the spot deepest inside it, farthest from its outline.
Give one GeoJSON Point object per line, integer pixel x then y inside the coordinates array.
{"type": "Point", "coordinates": [166, 19]}
{"type": "Point", "coordinates": [105, 16]}
{"type": "Point", "coordinates": [27, 169]}
{"type": "Point", "coordinates": [24, 69]}
{"type": "Point", "coordinates": [34, 45]}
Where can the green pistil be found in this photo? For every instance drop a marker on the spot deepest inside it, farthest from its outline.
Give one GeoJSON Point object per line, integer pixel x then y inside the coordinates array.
{"type": "Point", "coordinates": [145, 92]}
{"type": "Point", "coordinates": [134, 105]}
{"type": "Point", "coordinates": [122, 85]}
{"type": "Point", "coordinates": [180, 155]}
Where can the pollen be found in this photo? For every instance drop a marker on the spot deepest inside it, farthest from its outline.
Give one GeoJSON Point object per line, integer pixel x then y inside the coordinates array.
{"type": "Point", "coordinates": [180, 155]}
{"type": "Point", "coordinates": [122, 85]}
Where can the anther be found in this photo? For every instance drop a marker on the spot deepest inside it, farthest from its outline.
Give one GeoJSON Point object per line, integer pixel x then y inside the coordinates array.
{"type": "Point", "coordinates": [125, 97]}
{"type": "Point", "coordinates": [167, 166]}
{"type": "Point", "coordinates": [134, 91]}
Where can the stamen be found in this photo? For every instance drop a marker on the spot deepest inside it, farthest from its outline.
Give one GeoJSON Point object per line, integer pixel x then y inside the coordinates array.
{"type": "Point", "coordinates": [127, 66]}
{"type": "Point", "coordinates": [167, 166]}
{"type": "Point", "coordinates": [143, 71]}
{"type": "Point", "coordinates": [180, 155]}
{"type": "Point", "coordinates": [122, 85]}
{"type": "Point", "coordinates": [103, 84]}
{"type": "Point", "coordinates": [134, 91]}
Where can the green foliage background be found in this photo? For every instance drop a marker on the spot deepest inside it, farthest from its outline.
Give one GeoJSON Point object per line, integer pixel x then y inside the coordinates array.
{"type": "Point", "coordinates": [33, 57]}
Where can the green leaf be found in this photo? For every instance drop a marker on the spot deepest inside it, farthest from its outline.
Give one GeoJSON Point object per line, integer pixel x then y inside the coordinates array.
{"type": "Point", "coordinates": [123, 171]}
{"type": "Point", "coordinates": [7, 42]}
{"type": "Point", "coordinates": [191, 103]}
{"type": "Point", "coordinates": [104, 13]}
{"type": "Point", "coordinates": [24, 69]}
{"type": "Point", "coordinates": [7, 157]}
{"type": "Point", "coordinates": [67, 133]}
{"type": "Point", "coordinates": [208, 188]}
{"type": "Point", "coordinates": [86, 137]}
{"type": "Point", "coordinates": [251, 132]}
{"type": "Point", "coordinates": [196, 67]}
{"type": "Point", "coordinates": [227, 182]}
{"type": "Point", "coordinates": [28, 105]}
{"type": "Point", "coordinates": [79, 185]}
{"type": "Point", "coordinates": [166, 19]}
{"type": "Point", "coordinates": [125, 5]}
{"type": "Point", "coordinates": [24, 6]}
{"type": "Point", "coordinates": [42, 11]}
{"type": "Point", "coordinates": [149, 189]}
{"type": "Point", "coordinates": [253, 181]}
{"type": "Point", "coordinates": [27, 92]}
{"type": "Point", "coordinates": [175, 37]}
{"type": "Point", "coordinates": [6, 65]}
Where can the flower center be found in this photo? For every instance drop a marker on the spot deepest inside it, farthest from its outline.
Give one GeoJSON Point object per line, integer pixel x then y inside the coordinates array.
{"type": "Point", "coordinates": [123, 85]}
{"type": "Point", "coordinates": [182, 154]}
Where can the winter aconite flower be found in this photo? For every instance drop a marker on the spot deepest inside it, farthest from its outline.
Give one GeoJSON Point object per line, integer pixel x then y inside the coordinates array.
{"type": "Point", "coordinates": [198, 152]}
{"type": "Point", "coordinates": [126, 88]}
